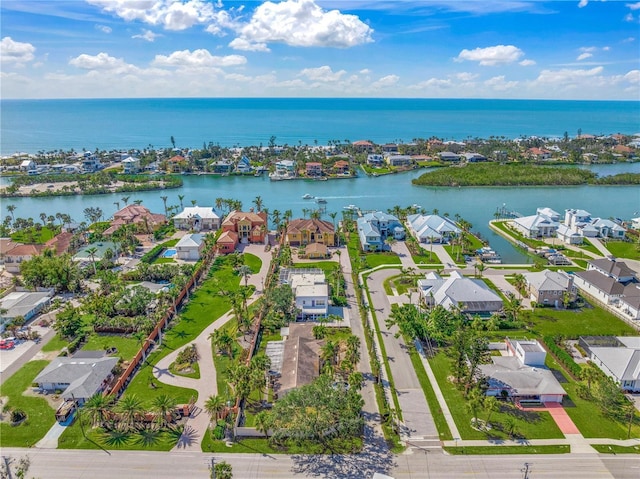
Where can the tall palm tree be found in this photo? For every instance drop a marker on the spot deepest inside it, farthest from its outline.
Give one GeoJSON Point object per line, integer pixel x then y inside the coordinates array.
{"type": "Point", "coordinates": [244, 271]}
{"type": "Point", "coordinates": [263, 422]}
{"type": "Point", "coordinates": [520, 282]}
{"type": "Point", "coordinates": [181, 197]}
{"type": "Point", "coordinates": [164, 201]}
{"type": "Point", "coordinates": [11, 209]}
{"type": "Point", "coordinates": [258, 203]}
{"type": "Point", "coordinates": [92, 253]}
{"type": "Point", "coordinates": [96, 408]}
{"type": "Point", "coordinates": [125, 200]}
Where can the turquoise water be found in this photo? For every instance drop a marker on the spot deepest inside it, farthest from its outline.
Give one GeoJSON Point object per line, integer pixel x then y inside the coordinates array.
{"type": "Point", "coordinates": [169, 253]}
{"type": "Point", "coordinates": [476, 205]}
{"type": "Point", "coordinates": [34, 125]}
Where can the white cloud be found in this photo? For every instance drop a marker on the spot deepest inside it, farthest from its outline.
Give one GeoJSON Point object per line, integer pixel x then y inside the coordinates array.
{"type": "Point", "coordinates": [103, 62]}
{"type": "Point", "coordinates": [491, 56]}
{"type": "Point", "coordinates": [583, 3]}
{"type": "Point", "coordinates": [16, 52]}
{"type": "Point", "coordinates": [302, 23]}
{"type": "Point", "coordinates": [432, 83]}
{"type": "Point", "coordinates": [245, 45]}
{"type": "Point", "coordinates": [634, 6]}
{"type": "Point", "coordinates": [500, 84]}
{"type": "Point", "coordinates": [104, 28]}
{"type": "Point", "coordinates": [527, 63]}
{"type": "Point", "coordinates": [147, 35]}
{"type": "Point", "coordinates": [629, 40]}
{"type": "Point", "coordinates": [629, 17]}
{"type": "Point", "coordinates": [364, 71]}
{"type": "Point", "coordinates": [322, 74]}
{"type": "Point", "coordinates": [466, 76]}
{"type": "Point", "coordinates": [633, 76]}
{"type": "Point", "coordinates": [386, 81]}
{"type": "Point", "coordinates": [198, 58]}
{"type": "Point", "coordinates": [584, 56]}
{"type": "Point", "coordinates": [170, 14]}
{"type": "Point", "coordinates": [588, 49]}
{"type": "Point", "coordinates": [566, 75]}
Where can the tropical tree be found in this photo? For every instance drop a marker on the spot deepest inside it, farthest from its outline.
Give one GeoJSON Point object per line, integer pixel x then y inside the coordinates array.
{"type": "Point", "coordinates": [214, 406]}
{"type": "Point", "coordinates": [222, 470]}
{"type": "Point", "coordinates": [491, 405]}
{"type": "Point", "coordinates": [130, 409]}
{"type": "Point", "coordinates": [97, 408]}
{"type": "Point", "coordinates": [125, 200]}
{"type": "Point", "coordinates": [263, 422]}
{"type": "Point", "coordinates": [163, 406]}
{"type": "Point", "coordinates": [258, 203]}
{"type": "Point", "coordinates": [164, 201]}
{"type": "Point", "coordinates": [11, 209]}
{"type": "Point", "coordinates": [181, 198]}
{"type": "Point", "coordinates": [474, 402]}
{"type": "Point", "coordinates": [92, 253]}
{"type": "Point", "coordinates": [589, 374]}
{"type": "Point", "coordinates": [244, 272]}
{"type": "Point", "coordinates": [513, 307]}
{"type": "Point", "coordinates": [520, 283]}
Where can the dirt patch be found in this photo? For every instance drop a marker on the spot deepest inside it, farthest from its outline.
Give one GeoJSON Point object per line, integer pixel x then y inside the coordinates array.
{"type": "Point", "coordinates": [49, 355]}
{"type": "Point", "coordinates": [54, 400]}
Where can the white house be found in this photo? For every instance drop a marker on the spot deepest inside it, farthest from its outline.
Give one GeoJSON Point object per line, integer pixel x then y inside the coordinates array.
{"type": "Point", "coordinates": [629, 302]}
{"type": "Point", "coordinates": [635, 223]}
{"type": "Point", "coordinates": [198, 218]}
{"type": "Point", "coordinates": [190, 247]}
{"type": "Point", "coordinates": [27, 165]}
{"type": "Point", "coordinates": [467, 294]}
{"type": "Point", "coordinates": [374, 228]}
{"type": "Point", "coordinates": [131, 165]}
{"type": "Point", "coordinates": [568, 235]}
{"type": "Point", "coordinates": [617, 270]}
{"type": "Point", "coordinates": [244, 165]}
{"type": "Point", "coordinates": [608, 229]}
{"type": "Point", "coordinates": [618, 357]}
{"type": "Point", "coordinates": [549, 213]}
{"type": "Point", "coordinates": [311, 293]}
{"type": "Point", "coordinates": [536, 226]}
{"type": "Point", "coordinates": [522, 374]}
{"type": "Point", "coordinates": [432, 228]}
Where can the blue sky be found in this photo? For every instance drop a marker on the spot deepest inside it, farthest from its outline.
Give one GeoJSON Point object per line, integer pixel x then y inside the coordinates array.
{"type": "Point", "coordinates": [575, 49]}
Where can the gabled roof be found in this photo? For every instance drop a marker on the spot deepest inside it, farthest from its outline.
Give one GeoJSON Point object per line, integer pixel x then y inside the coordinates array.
{"type": "Point", "coordinates": [301, 357]}
{"type": "Point", "coordinates": [604, 283]}
{"type": "Point", "coordinates": [535, 222]}
{"type": "Point", "coordinates": [228, 237]}
{"type": "Point", "coordinates": [60, 243]}
{"type": "Point", "coordinates": [523, 380]}
{"type": "Point", "coordinates": [25, 250]}
{"type": "Point", "coordinates": [613, 268]}
{"type": "Point", "coordinates": [431, 226]}
{"type": "Point", "coordinates": [624, 363]}
{"type": "Point", "coordinates": [471, 295]}
{"type": "Point", "coordinates": [311, 224]}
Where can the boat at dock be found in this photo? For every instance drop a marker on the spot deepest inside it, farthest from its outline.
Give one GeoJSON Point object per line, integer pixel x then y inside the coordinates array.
{"type": "Point", "coordinates": [487, 255]}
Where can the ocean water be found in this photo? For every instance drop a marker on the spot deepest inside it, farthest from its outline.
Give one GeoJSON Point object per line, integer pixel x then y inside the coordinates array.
{"type": "Point", "coordinates": [34, 125]}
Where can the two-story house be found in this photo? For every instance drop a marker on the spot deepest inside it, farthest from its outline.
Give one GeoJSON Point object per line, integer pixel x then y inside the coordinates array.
{"type": "Point", "coordinates": [304, 231]}
{"type": "Point", "coordinates": [250, 227]}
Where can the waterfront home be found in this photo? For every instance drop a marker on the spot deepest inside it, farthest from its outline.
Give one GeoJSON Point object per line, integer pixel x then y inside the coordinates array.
{"type": "Point", "coordinates": [286, 167]}
{"type": "Point", "coordinates": [548, 287]}
{"type": "Point", "coordinates": [91, 164]}
{"type": "Point", "coordinates": [535, 226]}
{"type": "Point", "coordinates": [568, 235]}
{"type": "Point", "coordinates": [474, 157]}
{"type": "Point", "coordinates": [249, 226]}
{"type": "Point", "coordinates": [78, 378]}
{"type": "Point", "coordinates": [448, 156]}
{"type": "Point", "coordinates": [175, 164]}
{"type": "Point", "coordinates": [60, 243]}
{"type": "Point", "coordinates": [576, 218]}
{"type": "Point", "coordinates": [222, 167]}
{"type": "Point", "coordinates": [617, 357]}
{"type": "Point", "coordinates": [522, 375]}
{"type": "Point", "coordinates": [316, 251]}
{"type": "Point", "coordinates": [398, 160]}
{"type": "Point", "coordinates": [227, 242]}
{"type": "Point", "coordinates": [304, 231]}
{"type": "Point", "coordinates": [374, 228]}
{"type": "Point", "coordinates": [23, 303]}
{"type": "Point", "coordinates": [432, 228]}
{"type": "Point", "coordinates": [468, 295]}
{"type": "Point", "coordinates": [138, 215]}
{"type": "Point", "coordinates": [617, 270]}
{"type": "Point", "coordinates": [244, 165]}
{"type": "Point", "coordinates": [131, 165]}
{"type": "Point", "coordinates": [389, 148]}
{"type": "Point", "coordinates": [6, 244]}
{"type": "Point", "coordinates": [341, 167]}
{"type": "Point", "coordinates": [629, 302]}
{"type": "Point", "coordinates": [375, 159]}
{"type": "Point", "coordinates": [16, 255]}
{"type": "Point", "coordinates": [198, 218]}
{"type": "Point", "coordinates": [608, 229]}
{"type": "Point", "coordinates": [553, 215]}
{"type": "Point", "coordinates": [99, 250]}
{"type": "Point", "coordinates": [313, 169]}
{"type": "Point", "coordinates": [190, 247]}
{"type": "Point", "coordinates": [635, 223]}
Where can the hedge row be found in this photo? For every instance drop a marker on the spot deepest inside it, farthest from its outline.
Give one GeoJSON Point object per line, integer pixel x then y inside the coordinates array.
{"type": "Point", "coordinates": [563, 356]}
{"type": "Point", "coordinates": [151, 255]}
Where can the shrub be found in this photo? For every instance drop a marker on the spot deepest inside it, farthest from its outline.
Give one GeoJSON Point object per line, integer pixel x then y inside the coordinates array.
{"type": "Point", "coordinates": [562, 356]}
{"type": "Point", "coordinates": [18, 415]}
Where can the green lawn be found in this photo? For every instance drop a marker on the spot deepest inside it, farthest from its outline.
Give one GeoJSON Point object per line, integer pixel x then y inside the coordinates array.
{"type": "Point", "coordinates": [40, 416]}
{"type": "Point", "coordinates": [55, 344]}
{"type": "Point", "coordinates": [253, 262]}
{"type": "Point", "coordinates": [588, 321]}
{"type": "Point", "coordinates": [530, 425]}
{"type": "Point", "coordinates": [127, 346]}
{"type": "Point", "coordinates": [33, 236]}
{"type": "Point", "coordinates": [401, 283]}
{"type": "Point", "coordinates": [379, 259]}
{"type": "Point", "coordinates": [195, 374]}
{"type": "Point", "coordinates": [327, 267]}
{"type": "Point", "coordinates": [588, 246]}
{"type": "Point", "coordinates": [501, 225]}
{"type": "Point", "coordinates": [94, 438]}
{"type": "Point", "coordinates": [262, 446]}
{"type": "Point", "coordinates": [622, 249]}
{"type": "Point", "coordinates": [426, 257]}
{"type": "Point", "coordinates": [508, 450]}
{"type": "Point", "coordinates": [606, 449]}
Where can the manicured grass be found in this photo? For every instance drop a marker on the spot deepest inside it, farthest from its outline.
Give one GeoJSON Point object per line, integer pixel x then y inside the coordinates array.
{"type": "Point", "coordinates": [622, 249]}
{"type": "Point", "coordinates": [429, 258]}
{"type": "Point", "coordinates": [126, 345]}
{"type": "Point", "coordinates": [195, 374]}
{"type": "Point", "coordinates": [588, 321]}
{"type": "Point", "coordinates": [161, 260]}
{"type": "Point", "coordinates": [613, 449]}
{"type": "Point", "coordinates": [401, 283]}
{"type": "Point", "coordinates": [40, 416]}
{"type": "Point", "coordinates": [530, 425]}
{"type": "Point", "coordinates": [430, 395]}
{"type": "Point", "coordinates": [588, 246]}
{"type": "Point", "coordinates": [55, 344]}
{"type": "Point", "coordinates": [501, 225]}
{"type": "Point", "coordinates": [378, 259]}
{"type": "Point", "coordinates": [253, 262]}
{"type": "Point", "coordinates": [482, 450]}
{"type": "Point", "coordinates": [42, 236]}
{"type": "Point", "coordinates": [262, 446]}
{"type": "Point", "coordinates": [94, 438]}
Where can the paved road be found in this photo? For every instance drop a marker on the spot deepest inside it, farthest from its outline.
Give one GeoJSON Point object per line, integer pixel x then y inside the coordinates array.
{"type": "Point", "coordinates": [415, 411]}
{"type": "Point", "coordinates": [76, 464]}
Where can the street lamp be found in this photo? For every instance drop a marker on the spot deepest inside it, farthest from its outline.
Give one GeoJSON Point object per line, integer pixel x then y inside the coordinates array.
{"type": "Point", "coordinates": [525, 470]}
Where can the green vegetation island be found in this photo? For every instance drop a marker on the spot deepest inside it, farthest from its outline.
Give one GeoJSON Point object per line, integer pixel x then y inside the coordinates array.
{"type": "Point", "coordinates": [520, 175]}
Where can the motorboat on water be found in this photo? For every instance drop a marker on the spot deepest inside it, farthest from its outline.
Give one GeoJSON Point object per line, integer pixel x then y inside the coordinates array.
{"type": "Point", "coordinates": [307, 196]}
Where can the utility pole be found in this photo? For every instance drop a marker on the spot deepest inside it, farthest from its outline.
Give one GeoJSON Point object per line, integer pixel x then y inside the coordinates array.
{"type": "Point", "coordinates": [525, 470]}
{"type": "Point", "coordinates": [213, 467]}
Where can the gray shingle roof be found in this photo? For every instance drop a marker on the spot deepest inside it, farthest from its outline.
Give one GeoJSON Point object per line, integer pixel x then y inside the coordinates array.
{"type": "Point", "coordinates": [84, 375]}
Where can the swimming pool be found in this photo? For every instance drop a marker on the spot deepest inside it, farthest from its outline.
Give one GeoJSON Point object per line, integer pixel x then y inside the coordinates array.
{"type": "Point", "coordinates": [169, 253]}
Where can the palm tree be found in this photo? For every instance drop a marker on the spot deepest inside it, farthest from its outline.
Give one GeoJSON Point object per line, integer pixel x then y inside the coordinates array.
{"type": "Point", "coordinates": [258, 202]}
{"type": "Point", "coordinates": [164, 201]}
{"type": "Point", "coordinates": [244, 271]}
{"type": "Point", "coordinates": [130, 409]}
{"type": "Point", "coordinates": [329, 351]}
{"type": "Point", "coordinates": [117, 203]}
{"type": "Point", "coordinates": [11, 209]}
{"type": "Point", "coordinates": [194, 202]}
{"type": "Point", "coordinates": [96, 408]}
{"type": "Point", "coordinates": [520, 283]}
{"type": "Point", "coordinates": [125, 200]}
{"type": "Point", "coordinates": [491, 405]}
{"type": "Point", "coordinates": [163, 405]}
{"type": "Point", "coordinates": [92, 253]}
{"type": "Point", "coordinates": [214, 406]}
{"type": "Point", "coordinates": [181, 197]}
{"type": "Point", "coordinates": [513, 307]}
{"type": "Point", "coordinates": [589, 374]}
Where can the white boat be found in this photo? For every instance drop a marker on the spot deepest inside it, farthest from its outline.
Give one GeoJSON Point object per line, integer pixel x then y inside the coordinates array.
{"type": "Point", "coordinates": [307, 196]}
{"type": "Point", "coordinates": [350, 207]}
{"type": "Point", "coordinates": [320, 200]}
{"type": "Point", "coordinates": [487, 255]}
{"type": "Point", "coordinates": [416, 206]}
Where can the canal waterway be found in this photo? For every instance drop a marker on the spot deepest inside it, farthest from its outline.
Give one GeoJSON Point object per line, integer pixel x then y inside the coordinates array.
{"type": "Point", "coordinates": [476, 205]}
